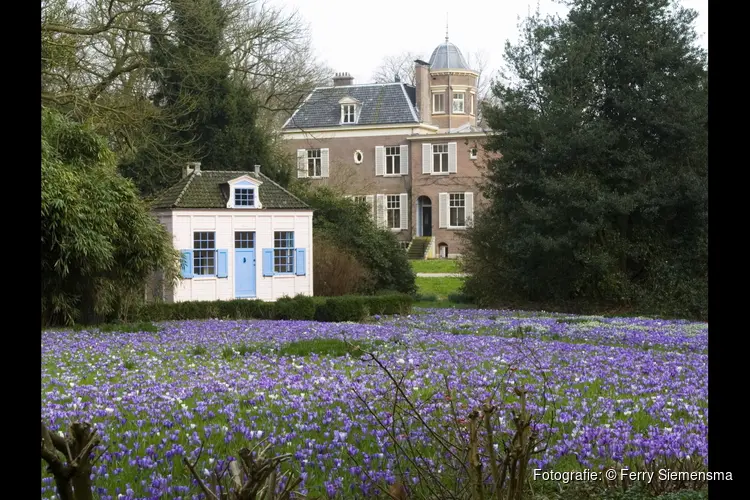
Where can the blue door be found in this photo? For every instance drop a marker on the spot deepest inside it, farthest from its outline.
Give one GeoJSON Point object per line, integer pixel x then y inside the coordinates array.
{"type": "Point", "coordinates": [244, 272]}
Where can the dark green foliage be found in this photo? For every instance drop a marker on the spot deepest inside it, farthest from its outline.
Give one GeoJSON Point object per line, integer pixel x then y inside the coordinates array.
{"type": "Point", "coordinates": [100, 245]}
{"type": "Point", "coordinates": [388, 304]}
{"type": "Point", "coordinates": [348, 225]}
{"type": "Point", "coordinates": [430, 297]}
{"type": "Point", "coordinates": [460, 298]}
{"type": "Point", "coordinates": [295, 308]}
{"type": "Point", "coordinates": [600, 195]}
{"type": "Point", "coordinates": [344, 308]}
{"type": "Point", "coordinates": [213, 118]}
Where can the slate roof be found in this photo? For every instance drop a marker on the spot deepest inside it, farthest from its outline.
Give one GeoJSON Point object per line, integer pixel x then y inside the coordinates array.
{"type": "Point", "coordinates": [209, 189]}
{"type": "Point", "coordinates": [447, 56]}
{"type": "Point", "coordinates": [382, 104]}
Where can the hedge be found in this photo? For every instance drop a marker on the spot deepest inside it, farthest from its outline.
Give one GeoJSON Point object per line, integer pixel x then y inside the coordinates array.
{"type": "Point", "coordinates": [301, 307]}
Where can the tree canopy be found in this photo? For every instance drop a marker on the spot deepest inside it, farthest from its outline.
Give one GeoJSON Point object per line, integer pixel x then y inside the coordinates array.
{"type": "Point", "coordinates": [600, 191]}
{"type": "Point", "coordinates": [100, 245]}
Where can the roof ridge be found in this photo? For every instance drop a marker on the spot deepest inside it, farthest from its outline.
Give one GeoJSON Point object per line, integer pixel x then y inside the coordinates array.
{"type": "Point", "coordinates": [179, 196]}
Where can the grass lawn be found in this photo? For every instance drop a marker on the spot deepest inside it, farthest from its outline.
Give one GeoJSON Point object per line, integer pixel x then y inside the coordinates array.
{"type": "Point", "coordinates": [441, 287]}
{"type": "Point", "coordinates": [436, 266]}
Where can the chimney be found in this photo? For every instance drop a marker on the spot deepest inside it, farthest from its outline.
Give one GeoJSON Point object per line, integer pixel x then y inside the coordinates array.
{"type": "Point", "coordinates": [397, 79]}
{"type": "Point", "coordinates": [256, 169]}
{"type": "Point", "coordinates": [424, 97]}
{"type": "Point", "coordinates": [190, 167]}
{"type": "Point", "coordinates": [340, 79]}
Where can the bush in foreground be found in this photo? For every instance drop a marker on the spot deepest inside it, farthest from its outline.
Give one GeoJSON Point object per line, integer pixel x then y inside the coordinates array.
{"type": "Point", "coordinates": [301, 307]}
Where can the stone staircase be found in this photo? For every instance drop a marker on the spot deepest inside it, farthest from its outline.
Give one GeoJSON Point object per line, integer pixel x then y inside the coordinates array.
{"type": "Point", "coordinates": [418, 248]}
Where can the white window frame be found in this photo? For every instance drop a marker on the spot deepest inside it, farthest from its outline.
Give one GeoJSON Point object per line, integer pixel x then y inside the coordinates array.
{"type": "Point", "coordinates": [395, 211]}
{"type": "Point", "coordinates": [456, 201]}
{"type": "Point", "coordinates": [315, 162]}
{"type": "Point", "coordinates": [459, 98]}
{"type": "Point", "coordinates": [250, 198]}
{"type": "Point", "coordinates": [473, 153]}
{"type": "Point", "coordinates": [348, 115]}
{"type": "Point", "coordinates": [394, 154]}
{"type": "Point", "coordinates": [434, 103]}
{"type": "Point", "coordinates": [207, 252]}
{"type": "Point", "coordinates": [442, 168]}
{"type": "Point", "coordinates": [472, 98]}
{"type": "Point", "coordinates": [284, 256]}
{"type": "Point", "coordinates": [358, 157]}
{"type": "Point", "coordinates": [244, 182]}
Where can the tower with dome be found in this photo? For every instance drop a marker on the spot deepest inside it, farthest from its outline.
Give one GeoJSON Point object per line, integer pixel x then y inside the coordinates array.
{"type": "Point", "coordinates": [447, 88]}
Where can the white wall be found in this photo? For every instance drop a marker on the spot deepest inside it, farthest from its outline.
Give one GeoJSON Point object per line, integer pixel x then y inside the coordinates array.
{"type": "Point", "coordinates": [224, 223]}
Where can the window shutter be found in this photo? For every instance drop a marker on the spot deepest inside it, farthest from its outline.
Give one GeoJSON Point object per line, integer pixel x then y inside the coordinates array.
{"type": "Point", "coordinates": [380, 210]}
{"type": "Point", "coordinates": [443, 210]}
{"type": "Point", "coordinates": [426, 158]}
{"type": "Point", "coordinates": [379, 160]}
{"type": "Point", "coordinates": [469, 210]}
{"type": "Point", "coordinates": [324, 162]}
{"type": "Point", "coordinates": [299, 264]}
{"type": "Point", "coordinates": [221, 272]}
{"type": "Point", "coordinates": [404, 210]}
{"type": "Point", "coordinates": [452, 166]}
{"type": "Point", "coordinates": [371, 201]}
{"type": "Point", "coordinates": [268, 262]}
{"type": "Point", "coordinates": [404, 159]}
{"type": "Point", "coordinates": [187, 264]}
{"type": "Point", "coordinates": [301, 163]}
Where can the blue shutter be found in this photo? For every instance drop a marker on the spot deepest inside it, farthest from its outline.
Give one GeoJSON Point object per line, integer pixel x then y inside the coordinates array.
{"type": "Point", "coordinates": [222, 268]}
{"type": "Point", "coordinates": [187, 264]}
{"type": "Point", "coordinates": [268, 262]}
{"type": "Point", "coordinates": [299, 265]}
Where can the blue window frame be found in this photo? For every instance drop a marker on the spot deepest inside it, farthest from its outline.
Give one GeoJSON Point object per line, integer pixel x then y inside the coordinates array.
{"type": "Point", "coordinates": [244, 197]}
{"type": "Point", "coordinates": [204, 253]}
{"type": "Point", "coordinates": [283, 252]}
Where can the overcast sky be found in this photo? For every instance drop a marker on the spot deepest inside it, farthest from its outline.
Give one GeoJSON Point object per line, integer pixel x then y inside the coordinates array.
{"type": "Point", "coordinates": [354, 35]}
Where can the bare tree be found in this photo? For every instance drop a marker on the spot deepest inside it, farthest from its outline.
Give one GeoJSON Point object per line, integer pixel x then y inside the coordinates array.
{"type": "Point", "coordinates": [96, 65]}
{"type": "Point", "coordinates": [401, 65]}
{"type": "Point", "coordinates": [270, 50]}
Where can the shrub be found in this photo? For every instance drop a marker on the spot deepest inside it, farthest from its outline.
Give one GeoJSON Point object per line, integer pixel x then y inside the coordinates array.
{"type": "Point", "coordinates": [300, 307]}
{"type": "Point", "coordinates": [337, 271]}
{"type": "Point", "coordinates": [346, 308]}
{"type": "Point", "coordinates": [100, 244]}
{"type": "Point", "coordinates": [429, 297]}
{"type": "Point", "coordinates": [397, 303]}
{"type": "Point", "coordinates": [349, 226]}
{"type": "Point", "coordinates": [460, 298]}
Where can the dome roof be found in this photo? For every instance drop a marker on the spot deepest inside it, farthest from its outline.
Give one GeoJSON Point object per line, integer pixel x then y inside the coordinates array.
{"type": "Point", "coordinates": [447, 56]}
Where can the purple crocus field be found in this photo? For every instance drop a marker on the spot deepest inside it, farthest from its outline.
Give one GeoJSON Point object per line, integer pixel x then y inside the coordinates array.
{"type": "Point", "coordinates": [628, 390]}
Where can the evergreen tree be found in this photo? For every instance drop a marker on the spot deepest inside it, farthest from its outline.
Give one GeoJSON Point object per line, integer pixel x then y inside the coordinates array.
{"type": "Point", "coordinates": [601, 191]}
{"type": "Point", "coordinates": [212, 118]}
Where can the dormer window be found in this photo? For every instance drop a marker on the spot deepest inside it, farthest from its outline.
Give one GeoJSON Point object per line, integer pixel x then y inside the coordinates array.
{"type": "Point", "coordinates": [347, 113]}
{"type": "Point", "coordinates": [350, 109]}
{"type": "Point", "coordinates": [243, 192]}
{"type": "Point", "coordinates": [244, 197]}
